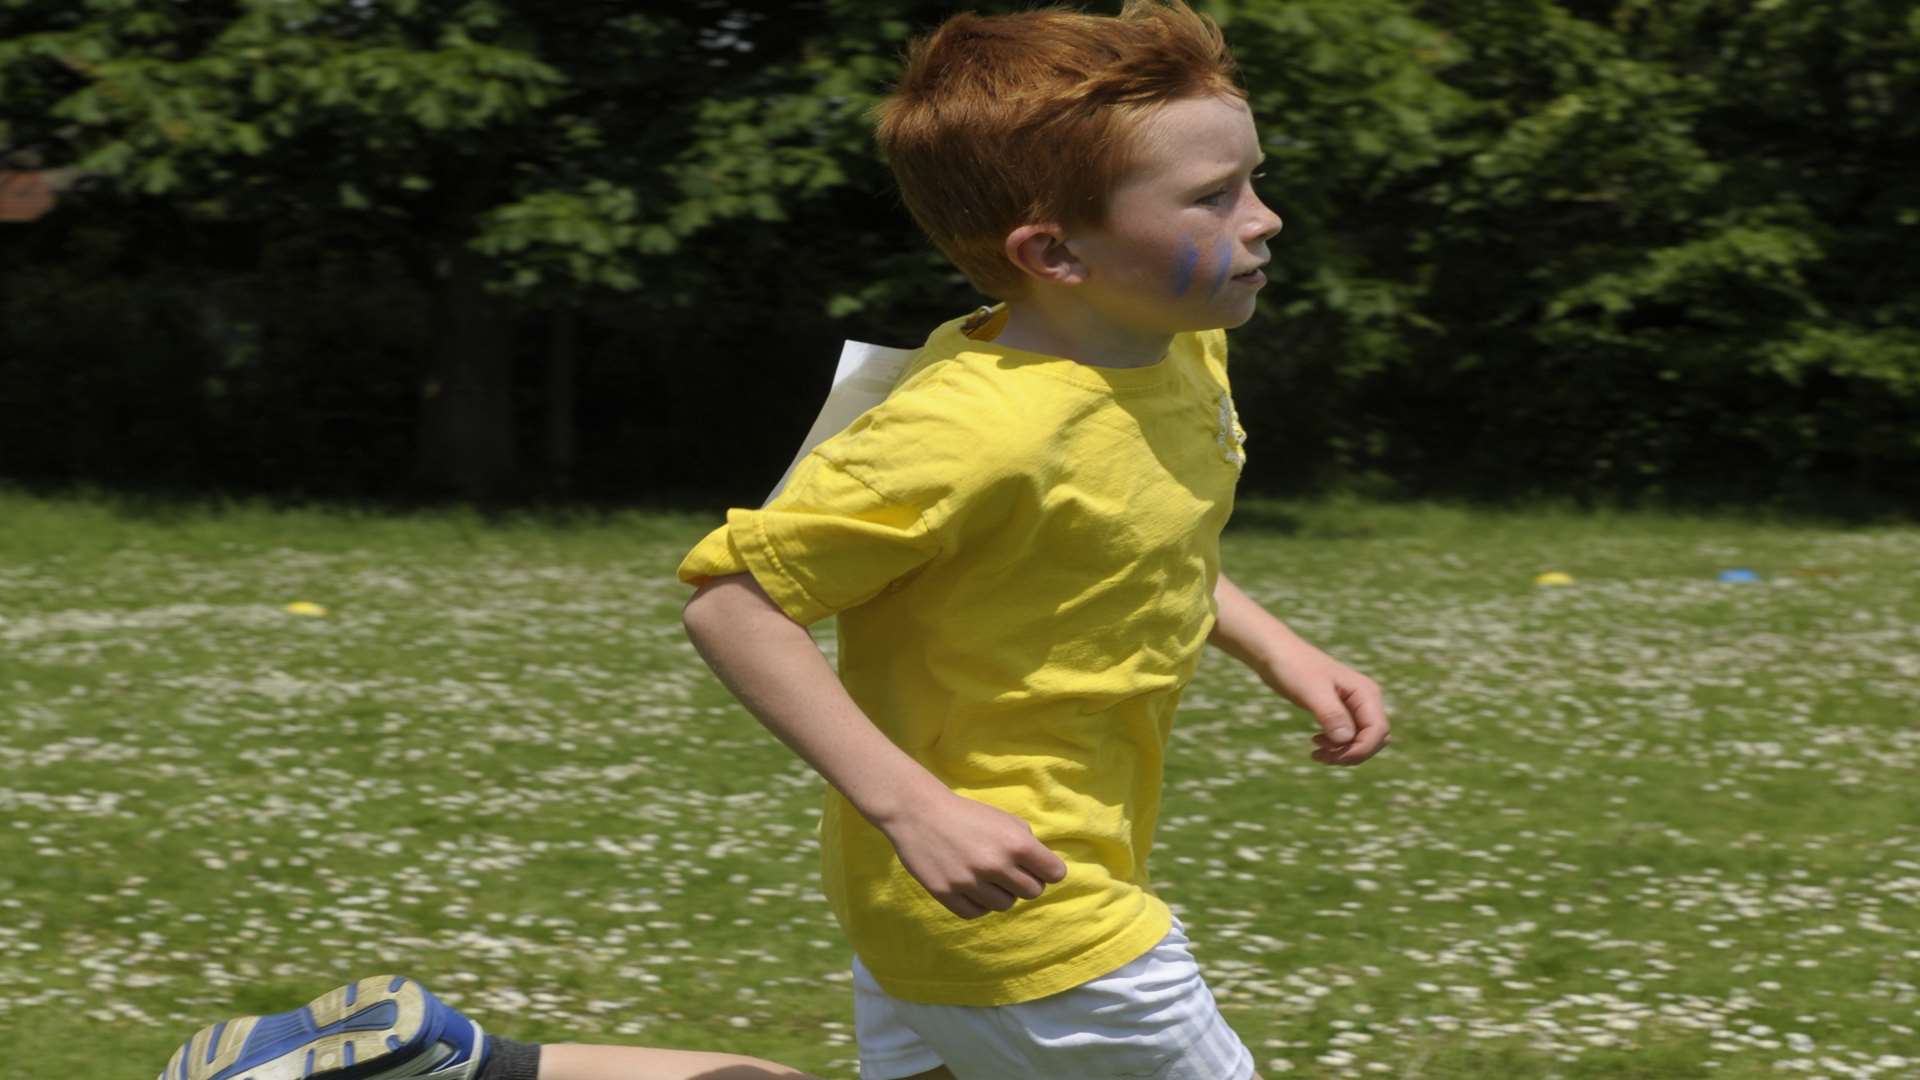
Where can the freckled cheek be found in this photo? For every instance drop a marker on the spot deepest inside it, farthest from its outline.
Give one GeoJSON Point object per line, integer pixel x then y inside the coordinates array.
{"type": "Point", "coordinates": [1223, 262]}
{"type": "Point", "coordinates": [1177, 265]}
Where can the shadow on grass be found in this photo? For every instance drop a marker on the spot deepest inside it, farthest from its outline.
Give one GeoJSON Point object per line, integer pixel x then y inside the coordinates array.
{"type": "Point", "coordinates": [174, 507]}
{"type": "Point", "coordinates": [1364, 511]}
{"type": "Point", "coordinates": [1378, 512]}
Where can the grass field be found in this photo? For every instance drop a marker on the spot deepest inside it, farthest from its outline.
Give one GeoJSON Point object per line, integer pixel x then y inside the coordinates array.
{"type": "Point", "coordinates": [1646, 825]}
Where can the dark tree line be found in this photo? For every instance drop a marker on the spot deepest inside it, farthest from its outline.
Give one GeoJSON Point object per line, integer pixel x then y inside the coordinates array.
{"type": "Point", "coordinates": [1615, 249]}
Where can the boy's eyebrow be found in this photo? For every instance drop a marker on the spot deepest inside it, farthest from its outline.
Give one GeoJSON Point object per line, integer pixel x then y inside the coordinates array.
{"type": "Point", "coordinates": [1224, 177]}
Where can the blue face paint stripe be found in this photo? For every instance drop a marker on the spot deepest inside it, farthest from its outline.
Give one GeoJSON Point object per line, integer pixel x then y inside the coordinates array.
{"type": "Point", "coordinates": [1183, 271]}
{"type": "Point", "coordinates": [1223, 259]}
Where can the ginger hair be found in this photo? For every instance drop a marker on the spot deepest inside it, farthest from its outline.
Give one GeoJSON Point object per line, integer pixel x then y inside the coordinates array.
{"type": "Point", "coordinates": [1006, 120]}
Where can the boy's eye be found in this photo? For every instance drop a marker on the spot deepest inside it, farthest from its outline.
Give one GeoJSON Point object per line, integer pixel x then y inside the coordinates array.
{"type": "Point", "coordinates": [1213, 198]}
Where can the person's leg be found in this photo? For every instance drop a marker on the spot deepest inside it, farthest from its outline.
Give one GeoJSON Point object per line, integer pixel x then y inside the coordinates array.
{"type": "Point", "coordinates": [386, 1027]}
{"type": "Point", "coordinates": [370, 1029]}
{"type": "Point", "coordinates": [575, 1061]}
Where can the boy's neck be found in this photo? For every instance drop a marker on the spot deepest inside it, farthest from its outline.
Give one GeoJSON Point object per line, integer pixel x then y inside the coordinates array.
{"type": "Point", "coordinates": [1080, 335]}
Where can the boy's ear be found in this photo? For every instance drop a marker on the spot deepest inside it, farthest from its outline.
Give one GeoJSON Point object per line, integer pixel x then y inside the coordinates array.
{"type": "Point", "coordinates": [1042, 251]}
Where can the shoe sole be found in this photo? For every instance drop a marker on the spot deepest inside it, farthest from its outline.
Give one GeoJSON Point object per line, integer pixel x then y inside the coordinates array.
{"type": "Point", "coordinates": [216, 1047]}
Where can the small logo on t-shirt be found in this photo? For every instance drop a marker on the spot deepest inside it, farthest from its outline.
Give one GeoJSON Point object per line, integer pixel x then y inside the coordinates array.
{"type": "Point", "coordinates": [1232, 437]}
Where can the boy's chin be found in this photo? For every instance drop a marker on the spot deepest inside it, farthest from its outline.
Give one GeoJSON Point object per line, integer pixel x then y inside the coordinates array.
{"type": "Point", "coordinates": [1225, 316]}
{"type": "Point", "coordinates": [1215, 320]}
{"type": "Point", "coordinates": [1230, 322]}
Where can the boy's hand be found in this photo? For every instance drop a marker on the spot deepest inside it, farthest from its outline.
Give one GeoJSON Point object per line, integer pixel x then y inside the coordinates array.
{"type": "Point", "coordinates": [972, 857]}
{"type": "Point", "coordinates": [1346, 704]}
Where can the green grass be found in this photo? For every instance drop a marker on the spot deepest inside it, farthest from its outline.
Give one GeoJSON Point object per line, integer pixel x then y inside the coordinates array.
{"type": "Point", "coordinates": [1649, 825]}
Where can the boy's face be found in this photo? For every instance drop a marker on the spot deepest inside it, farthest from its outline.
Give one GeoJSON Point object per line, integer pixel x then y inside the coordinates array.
{"type": "Point", "coordinates": [1185, 233]}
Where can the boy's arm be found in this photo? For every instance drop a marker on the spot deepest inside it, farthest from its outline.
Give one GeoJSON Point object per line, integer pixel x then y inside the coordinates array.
{"type": "Point", "coordinates": [971, 857]}
{"type": "Point", "coordinates": [1347, 704]}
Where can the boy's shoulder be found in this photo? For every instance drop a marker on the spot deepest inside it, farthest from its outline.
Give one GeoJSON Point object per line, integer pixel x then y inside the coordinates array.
{"type": "Point", "coordinates": [937, 395]}
{"type": "Point", "coordinates": [958, 379]}
{"type": "Point", "coordinates": [967, 421]}
{"type": "Point", "coordinates": [960, 385]}
{"type": "Point", "coordinates": [965, 348]}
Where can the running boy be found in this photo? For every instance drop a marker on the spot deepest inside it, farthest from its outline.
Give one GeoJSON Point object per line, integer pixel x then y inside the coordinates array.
{"type": "Point", "coordinates": [1022, 546]}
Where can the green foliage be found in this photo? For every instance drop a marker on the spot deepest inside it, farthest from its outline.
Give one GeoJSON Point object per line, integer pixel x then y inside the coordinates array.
{"type": "Point", "coordinates": [1698, 276]}
{"type": "Point", "coordinates": [1888, 359]}
{"type": "Point", "coordinates": [1613, 248]}
{"type": "Point", "coordinates": [569, 169]}
{"type": "Point", "coordinates": [1631, 249]}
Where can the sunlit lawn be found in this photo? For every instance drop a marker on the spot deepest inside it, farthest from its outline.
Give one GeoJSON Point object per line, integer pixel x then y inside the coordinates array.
{"type": "Point", "coordinates": [1647, 825]}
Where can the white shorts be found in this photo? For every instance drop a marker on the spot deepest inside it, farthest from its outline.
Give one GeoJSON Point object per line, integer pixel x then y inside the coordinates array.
{"type": "Point", "coordinates": [1154, 1018]}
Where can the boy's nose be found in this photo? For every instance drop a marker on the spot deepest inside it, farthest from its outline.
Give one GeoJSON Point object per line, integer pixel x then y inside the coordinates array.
{"type": "Point", "coordinates": [1265, 224]}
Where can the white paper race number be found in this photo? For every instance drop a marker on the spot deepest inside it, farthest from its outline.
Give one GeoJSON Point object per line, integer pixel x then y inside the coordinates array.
{"type": "Point", "coordinates": [866, 375]}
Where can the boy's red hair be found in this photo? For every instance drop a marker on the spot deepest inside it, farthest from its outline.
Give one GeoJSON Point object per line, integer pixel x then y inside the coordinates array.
{"type": "Point", "coordinates": [1006, 120]}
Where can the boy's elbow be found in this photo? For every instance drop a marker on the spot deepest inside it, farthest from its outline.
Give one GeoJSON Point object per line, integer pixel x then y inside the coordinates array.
{"type": "Point", "coordinates": [697, 616]}
{"type": "Point", "coordinates": [712, 605]}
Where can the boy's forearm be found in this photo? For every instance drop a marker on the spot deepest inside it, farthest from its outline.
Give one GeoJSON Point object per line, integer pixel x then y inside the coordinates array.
{"type": "Point", "coordinates": [771, 664]}
{"type": "Point", "coordinates": [1346, 704]}
{"type": "Point", "coordinates": [1246, 631]}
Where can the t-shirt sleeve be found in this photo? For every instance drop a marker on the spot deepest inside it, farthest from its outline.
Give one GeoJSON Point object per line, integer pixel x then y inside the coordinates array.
{"type": "Point", "coordinates": [828, 543]}
{"type": "Point", "coordinates": [865, 509]}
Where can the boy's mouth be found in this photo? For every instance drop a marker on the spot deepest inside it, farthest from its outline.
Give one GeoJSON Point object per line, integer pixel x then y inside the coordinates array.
{"type": "Point", "coordinates": [1252, 277]}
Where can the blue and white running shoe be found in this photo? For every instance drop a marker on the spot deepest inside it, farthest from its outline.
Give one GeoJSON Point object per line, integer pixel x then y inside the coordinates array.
{"type": "Point", "coordinates": [383, 1028]}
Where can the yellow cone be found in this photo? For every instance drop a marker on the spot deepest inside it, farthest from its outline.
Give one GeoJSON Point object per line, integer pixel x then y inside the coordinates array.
{"type": "Point", "coordinates": [306, 607]}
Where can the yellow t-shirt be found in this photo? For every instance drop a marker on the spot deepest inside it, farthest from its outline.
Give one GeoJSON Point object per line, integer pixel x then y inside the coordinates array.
{"type": "Point", "coordinates": [1022, 551]}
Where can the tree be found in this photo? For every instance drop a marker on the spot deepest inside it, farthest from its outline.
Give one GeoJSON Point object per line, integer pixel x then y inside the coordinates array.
{"type": "Point", "coordinates": [515, 155]}
{"type": "Point", "coordinates": [1607, 247]}
{"type": "Point", "coordinates": [1613, 248]}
